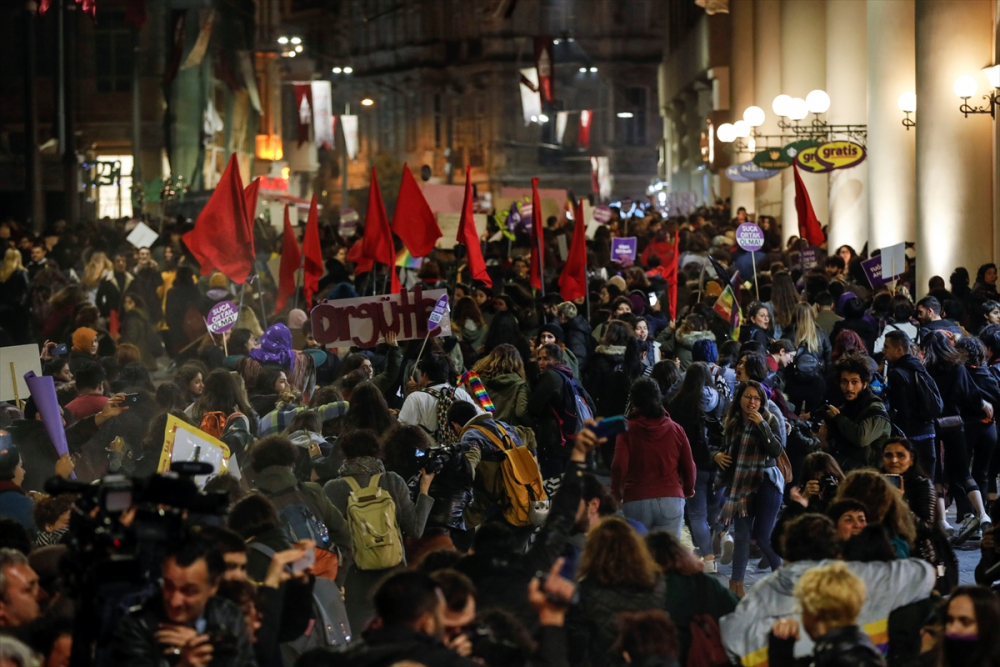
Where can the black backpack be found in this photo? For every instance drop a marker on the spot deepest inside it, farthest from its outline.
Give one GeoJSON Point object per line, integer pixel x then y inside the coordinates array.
{"type": "Point", "coordinates": [928, 396]}
{"type": "Point", "coordinates": [806, 364]}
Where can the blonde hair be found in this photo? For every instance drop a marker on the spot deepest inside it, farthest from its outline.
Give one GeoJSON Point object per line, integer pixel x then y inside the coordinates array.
{"type": "Point", "coordinates": [805, 327]}
{"type": "Point", "coordinates": [11, 263]}
{"type": "Point", "coordinates": [97, 266]}
{"type": "Point", "coordinates": [831, 593]}
{"type": "Point", "coordinates": [503, 359]}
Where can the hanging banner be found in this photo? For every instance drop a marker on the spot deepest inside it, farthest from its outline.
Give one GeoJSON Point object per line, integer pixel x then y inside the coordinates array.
{"type": "Point", "coordinates": [773, 158]}
{"type": "Point", "coordinates": [562, 118]}
{"type": "Point", "coordinates": [349, 125]}
{"type": "Point", "coordinates": [323, 118]}
{"type": "Point", "coordinates": [303, 106]}
{"type": "Point", "coordinates": [600, 176]}
{"type": "Point", "coordinates": [733, 174]}
{"type": "Point", "coordinates": [197, 52]}
{"type": "Point", "coordinates": [366, 320]}
{"type": "Point", "coordinates": [531, 99]}
{"type": "Point", "coordinates": [807, 160]}
{"type": "Point", "coordinates": [586, 117]}
{"type": "Point", "coordinates": [544, 63]}
{"type": "Point", "coordinates": [752, 172]}
{"type": "Point", "coordinates": [840, 154]}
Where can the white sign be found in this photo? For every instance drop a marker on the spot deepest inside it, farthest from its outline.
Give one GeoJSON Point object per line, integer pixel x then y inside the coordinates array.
{"type": "Point", "coordinates": [24, 358]}
{"type": "Point", "coordinates": [323, 117]}
{"type": "Point", "coordinates": [142, 236]}
{"type": "Point", "coordinates": [183, 442]}
{"type": "Point", "coordinates": [349, 124]}
{"type": "Point", "coordinates": [893, 260]}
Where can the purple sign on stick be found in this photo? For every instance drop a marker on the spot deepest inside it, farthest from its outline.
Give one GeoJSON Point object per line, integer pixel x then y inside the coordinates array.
{"type": "Point", "coordinates": [43, 391]}
{"type": "Point", "coordinates": [222, 317]}
{"type": "Point", "coordinates": [874, 273]}
{"type": "Point", "coordinates": [602, 214]}
{"type": "Point", "coordinates": [440, 308]}
{"type": "Point", "coordinates": [749, 236]}
{"type": "Point", "coordinates": [624, 249]}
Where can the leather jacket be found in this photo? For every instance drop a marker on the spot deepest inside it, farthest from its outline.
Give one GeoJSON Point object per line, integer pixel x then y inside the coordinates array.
{"type": "Point", "coordinates": [134, 643]}
{"type": "Point", "coordinates": [848, 646]}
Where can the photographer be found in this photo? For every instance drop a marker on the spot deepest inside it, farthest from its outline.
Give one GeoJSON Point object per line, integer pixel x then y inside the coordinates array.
{"type": "Point", "coordinates": [822, 476]}
{"type": "Point", "coordinates": [856, 430]}
{"type": "Point", "coordinates": [185, 624]}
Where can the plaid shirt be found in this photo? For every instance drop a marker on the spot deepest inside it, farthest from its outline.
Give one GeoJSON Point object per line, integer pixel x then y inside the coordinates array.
{"type": "Point", "coordinates": [276, 420]}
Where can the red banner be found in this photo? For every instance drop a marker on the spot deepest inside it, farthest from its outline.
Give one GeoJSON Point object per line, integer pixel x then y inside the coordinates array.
{"type": "Point", "coordinates": [586, 118]}
{"type": "Point", "coordinates": [545, 64]}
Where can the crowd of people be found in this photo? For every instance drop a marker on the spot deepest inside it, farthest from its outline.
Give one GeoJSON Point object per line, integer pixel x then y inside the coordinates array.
{"type": "Point", "coordinates": [583, 482]}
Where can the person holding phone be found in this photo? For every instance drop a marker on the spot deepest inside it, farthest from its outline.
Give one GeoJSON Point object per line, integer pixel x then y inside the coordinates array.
{"type": "Point", "coordinates": [652, 471]}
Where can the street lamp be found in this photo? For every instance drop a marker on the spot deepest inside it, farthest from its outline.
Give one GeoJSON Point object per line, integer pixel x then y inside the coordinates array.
{"type": "Point", "coordinates": [908, 104]}
{"type": "Point", "coordinates": [965, 87]}
{"type": "Point", "coordinates": [625, 114]}
{"type": "Point", "coordinates": [780, 105]}
{"type": "Point", "coordinates": [798, 109]}
{"type": "Point", "coordinates": [726, 133]}
{"type": "Point", "coordinates": [754, 116]}
{"type": "Point", "coordinates": [818, 101]}
{"type": "Point", "coordinates": [367, 102]}
{"type": "Point", "coordinates": [348, 70]}
{"type": "Point", "coordinates": [593, 70]}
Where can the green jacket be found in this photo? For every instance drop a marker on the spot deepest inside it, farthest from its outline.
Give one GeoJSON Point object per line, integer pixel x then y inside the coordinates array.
{"type": "Point", "coordinates": [509, 393]}
{"type": "Point", "coordinates": [690, 595]}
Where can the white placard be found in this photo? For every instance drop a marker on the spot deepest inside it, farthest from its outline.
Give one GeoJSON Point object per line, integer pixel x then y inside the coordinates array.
{"type": "Point", "coordinates": [142, 236]}
{"type": "Point", "coordinates": [893, 260]}
{"type": "Point", "coordinates": [322, 114]}
{"type": "Point", "coordinates": [25, 358]}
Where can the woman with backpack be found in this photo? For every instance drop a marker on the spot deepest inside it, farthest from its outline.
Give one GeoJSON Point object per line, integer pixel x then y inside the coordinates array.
{"type": "Point", "coordinates": [805, 377]}
{"type": "Point", "coordinates": [379, 514]}
{"type": "Point", "coordinates": [699, 409]}
{"type": "Point", "coordinates": [652, 471]}
{"type": "Point", "coordinates": [223, 395]}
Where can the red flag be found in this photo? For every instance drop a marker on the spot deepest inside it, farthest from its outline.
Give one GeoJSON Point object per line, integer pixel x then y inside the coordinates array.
{"type": "Point", "coordinates": [377, 243]}
{"type": "Point", "coordinates": [670, 275]}
{"type": "Point", "coordinates": [313, 253]}
{"type": "Point", "coordinates": [545, 66]}
{"type": "Point", "coordinates": [250, 196]}
{"type": "Point", "coordinates": [537, 238]}
{"type": "Point", "coordinates": [413, 221]}
{"type": "Point", "coordinates": [586, 118]}
{"type": "Point", "coordinates": [573, 279]}
{"type": "Point", "coordinates": [220, 238]}
{"type": "Point", "coordinates": [468, 235]}
{"type": "Point", "coordinates": [290, 260]}
{"type": "Point", "coordinates": [809, 227]}
{"type": "Point", "coordinates": [361, 263]}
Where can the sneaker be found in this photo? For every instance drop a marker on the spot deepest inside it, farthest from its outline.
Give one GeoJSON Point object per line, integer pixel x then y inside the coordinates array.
{"type": "Point", "coordinates": [711, 566]}
{"type": "Point", "coordinates": [763, 564]}
{"type": "Point", "coordinates": [969, 526]}
{"type": "Point", "coordinates": [727, 549]}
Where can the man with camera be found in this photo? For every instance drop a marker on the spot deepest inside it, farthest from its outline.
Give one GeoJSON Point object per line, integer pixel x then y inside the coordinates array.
{"type": "Point", "coordinates": [856, 430]}
{"type": "Point", "coordinates": [185, 625]}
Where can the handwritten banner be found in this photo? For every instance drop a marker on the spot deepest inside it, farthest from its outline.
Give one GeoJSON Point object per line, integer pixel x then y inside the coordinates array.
{"type": "Point", "coordinates": [366, 320]}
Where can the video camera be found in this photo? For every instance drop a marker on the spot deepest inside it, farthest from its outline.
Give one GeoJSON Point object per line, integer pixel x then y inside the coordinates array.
{"type": "Point", "coordinates": [434, 460]}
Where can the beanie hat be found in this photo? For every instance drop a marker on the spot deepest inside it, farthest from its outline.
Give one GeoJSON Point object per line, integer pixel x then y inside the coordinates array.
{"type": "Point", "coordinates": [218, 280]}
{"type": "Point", "coordinates": [553, 329]}
{"type": "Point", "coordinates": [705, 350]}
{"type": "Point", "coordinates": [296, 318]}
{"type": "Point", "coordinates": [83, 339]}
{"type": "Point", "coordinates": [618, 282]}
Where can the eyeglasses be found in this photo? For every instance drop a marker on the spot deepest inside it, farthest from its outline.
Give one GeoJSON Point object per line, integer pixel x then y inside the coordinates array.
{"type": "Point", "coordinates": [750, 398]}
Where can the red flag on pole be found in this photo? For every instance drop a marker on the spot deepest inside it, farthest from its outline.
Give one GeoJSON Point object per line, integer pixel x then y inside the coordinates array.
{"type": "Point", "coordinates": [670, 275]}
{"type": "Point", "coordinates": [469, 235]}
{"type": "Point", "coordinates": [537, 239]}
{"type": "Point", "coordinates": [377, 242]}
{"type": "Point", "coordinates": [361, 263]}
{"type": "Point", "coordinates": [221, 238]}
{"type": "Point", "coordinates": [290, 260]}
{"type": "Point", "coordinates": [809, 227]}
{"type": "Point", "coordinates": [573, 279]}
{"type": "Point", "coordinates": [313, 253]}
{"type": "Point", "coordinates": [586, 118]}
{"type": "Point", "coordinates": [413, 221]}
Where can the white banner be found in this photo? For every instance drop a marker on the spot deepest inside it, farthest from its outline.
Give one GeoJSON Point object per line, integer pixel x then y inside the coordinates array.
{"type": "Point", "coordinates": [531, 99]}
{"type": "Point", "coordinates": [562, 118]}
{"type": "Point", "coordinates": [349, 124]}
{"type": "Point", "coordinates": [601, 166]}
{"type": "Point", "coordinates": [322, 114]}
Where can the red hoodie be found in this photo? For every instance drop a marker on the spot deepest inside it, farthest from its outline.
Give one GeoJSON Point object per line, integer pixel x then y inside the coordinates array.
{"type": "Point", "coordinates": [652, 460]}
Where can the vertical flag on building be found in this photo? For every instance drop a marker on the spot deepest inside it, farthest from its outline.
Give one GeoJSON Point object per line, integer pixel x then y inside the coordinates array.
{"type": "Point", "coordinates": [290, 260]}
{"type": "Point", "coordinates": [303, 110]}
{"type": "Point", "coordinates": [413, 221]}
{"type": "Point", "coordinates": [531, 99]}
{"type": "Point", "coordinates": [573, 279]}
{"type": "Point", "coordinates": [562, 119]}
{"type": "Point", "coordinates": [537, 239]}
{"type": "Point", "coordinates": [222, 237]}
{"type": "Point", "coordinates": [349, 125]}
{"type": "Point", "coordinates": [377, 243]}
{"type": "Point", "coordinates": [469, 235]}
{"type": "Point", "coordinates": [313, 254]}
{"type": "Point", "coordinates": [323, 118]}
{"type": "Point", "coordinates": [809, 227]}
{"type": "Point", "coordinates": [586, 117]}
{"type": "Point", "coordinates": [545, 64]}
{"type": "Point", "coordinates": [671, 275]}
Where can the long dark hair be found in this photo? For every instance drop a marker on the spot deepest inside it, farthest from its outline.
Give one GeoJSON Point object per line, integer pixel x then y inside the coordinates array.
{"type": "Point", "coordinates": [632, 364]}
{"type": "Point", "coordinates": [688, 400]}
{"type": "Point", "coordinates": [987, 606]}
{"type": "Point", "coordinates": [736, 411]}
{"type": "Point", "coordinates": [646, 398]}
{"type": "Point", "coordinates": [505, 329]}
{"type": "Point", "coordinates": [368, 410]}
{"type": "Point", "coordinates": [222, 394]}
{"type": "Point", "coordinates": [938, 352]}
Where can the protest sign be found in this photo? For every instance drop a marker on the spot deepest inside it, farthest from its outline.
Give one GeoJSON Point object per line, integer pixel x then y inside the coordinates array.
{"type": "Point", "coordinates": [624, 250]}
{"type": "Point", "coordinates": [142, 236]}
{"type": "Point", "coordinates": [183, 442]}
{"type": "Point", "coordinates": [43, 391]}
{"type": "Point", "coordinates": [24, 359]}
{"type": "Point", "coordinates": [602, 214]}
{"type": "Point", "coordinates": [440, 310]}
{"type": "Point", "coordinates": [893, 260]}
{"type": "Point", "coordinates": [809, 258]}
{"type": "Point", "coordinates": [749, 236]}
{"type": "Point", "coordinates": [873, 271]}
{"type": "Point", "coordinates": [222, 317]}
{"type": "Point", "coordinates": [366, 320]}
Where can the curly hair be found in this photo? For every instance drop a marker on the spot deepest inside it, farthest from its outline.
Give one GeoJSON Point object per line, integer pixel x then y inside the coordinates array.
{"type": "Point", "coordinates": [975, 351]}
{"type": "Point", "coordinates": [615, 555]}
{"type": "Point", "coordinates": [884, 503]}
{"type": "Point", "coordinates": [854, 363]}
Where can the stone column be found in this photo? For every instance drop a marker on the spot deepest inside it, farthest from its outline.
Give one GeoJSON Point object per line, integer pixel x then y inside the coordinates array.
{"type": "Point", "coordinates": [954, 162]}
{"type": "Point", "coordinates": [846, 50]}
{"type": "Point", "coordinates": [767, 86]}
{"type": "Point", "coordinates": [803, 69]}
{"type": "Point", "coordinates": [892, 185]}
{"type": "Point", "coordinates": [741, 81]}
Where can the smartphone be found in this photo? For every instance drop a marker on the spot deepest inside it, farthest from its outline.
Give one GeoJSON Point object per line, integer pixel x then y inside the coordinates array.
{"type": "Point", "coordinates": [131, 399]}
{"type": "Point", "coordinates": [895, 480]}
{"type": "Point", "coordinates": [611, 426]}
{"type": "Point", "coordinates": [59, 350]}
{"type": "Point", "coordinates": [652, 299]}
{"type": "Point", "coordinates": [301, 565]}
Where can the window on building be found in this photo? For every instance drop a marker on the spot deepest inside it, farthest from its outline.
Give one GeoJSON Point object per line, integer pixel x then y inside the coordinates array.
{"type": "Point", "coordinates": [115, 199]}
{"type": "Point", "coordinates": [113, 53]}
{"type": "Point", "coordinates": [635, 126]}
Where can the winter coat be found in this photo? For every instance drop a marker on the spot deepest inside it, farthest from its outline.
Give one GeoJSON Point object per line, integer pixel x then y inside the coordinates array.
{"type": "Point", "coordinates": [704, 431]}
{"type": "Point", "coordinates": [546, 402]}
{"type": "Point", "coordinates": [109, 292]}
{"type": "Point", "coordinates": [685, 342]}
{"type": "Point", "coordinates": [578, 339]}
{"type": "Point", "coordinates": [959, 392]}
{"type": "Point", "coordinates": [605, 381]}
{"type": "Point", "coordinates": [14, 311]}
{"type": "Point", "coordinates": [899, 582]}
{"type": "Point", "coordinates": [486, 458]}
{"type": "Point", "coordinates": [591, 625]}
{"type": "Point", "coordinates": [275, 479]}
{"type": "Point", "coordinates": [751, 332]}
{"type": "Point", "coordinates": [847, 646]}
{"type": "Point", "coordinates": [860, 326]}
{"type": "Point", "coordinates": [825, 347]}
{"type": "Point", "coordinates": [903, 398]}
{"type": "Point", "coordinates": [15, 504]}
{"type": "Point", "coordinates": [137, 330]}
{"type": "Point", "coordinates": [858, 433]}
{"type": "Point", "coordinates": [652, 460]}
{"type": "Point", "coordinates": [509, 393]}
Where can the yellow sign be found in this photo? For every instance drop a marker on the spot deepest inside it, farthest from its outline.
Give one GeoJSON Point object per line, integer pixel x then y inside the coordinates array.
{"type": "Point", "coordinates": [840, 154]}
{"type": "Point", "coordinates": [808, 161]}
{"type": "Point", "coordinates": [183, 442]}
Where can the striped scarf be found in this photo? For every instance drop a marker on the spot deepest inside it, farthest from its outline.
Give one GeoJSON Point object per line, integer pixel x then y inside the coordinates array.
{"type": "Point", "coordinates": [742, 444]}
{"type": "Point", "coordinates": [478, 390]}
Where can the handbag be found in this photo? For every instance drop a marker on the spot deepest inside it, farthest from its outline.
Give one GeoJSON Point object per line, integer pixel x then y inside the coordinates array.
{"type": "Point", "coordinates": [948, 424]}
{"type": "Point", "coordinates": [784, 466]}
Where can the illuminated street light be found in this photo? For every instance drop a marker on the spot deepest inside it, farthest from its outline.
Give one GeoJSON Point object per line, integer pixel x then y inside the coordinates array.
{"type": "Point", "coordinates": [367, 102]}
{"type": "Point", "coordinates": [625, 114]}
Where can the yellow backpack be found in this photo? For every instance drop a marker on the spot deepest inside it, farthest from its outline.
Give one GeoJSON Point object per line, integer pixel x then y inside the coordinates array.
{"type": "Point", "coordinates": [521, 478]}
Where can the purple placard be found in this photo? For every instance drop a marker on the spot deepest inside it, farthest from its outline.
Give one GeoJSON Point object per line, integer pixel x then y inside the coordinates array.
{"type": "Point", "coordinates": [749, 236]}
{"type": "Point", "coordinates": [624, 250]}
{"type": "Point", "coordinates": [602, 214]}
{"type": "Point", "coordinates": [809, 258]}
{"type": "Point", "coordinates": [43, 392]}
{"type": "Point", "coordinates": [222, 317]}
{"type": "Point", "coordinates": [873, 270]}
{"type": "Point", "coordinates": [440, 308]}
